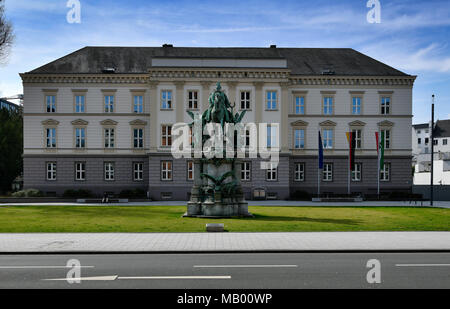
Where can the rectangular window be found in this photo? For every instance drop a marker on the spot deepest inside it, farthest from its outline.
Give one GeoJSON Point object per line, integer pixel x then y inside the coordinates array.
{"type": "Point", "coordinates": [271, 173]}
{"type": "Point", "coordinates": [299, 172]}
{"type": "Point", "coordinates": [247, 138]}
{"type": "Point", "coordinates": [109, 138]}
{"type": "Point", "coordinates": [50, 101]}
{"type": "Point", "coordinates": [419, 141]}
{"type": "Point", "coordinates": [51, 170]}
{"type": "Point", "coordinates": [272, 136]}
{"type": "Point", "coordinates": [193, 99]}
{"type": "Point", "coordinates": [109, 103]}
{"type": "Point", "coordinates": [166, 170]}
{"type": "Point", "coordinates": [356, 105]}
{"type": "Point", "coordinates": [138, 171]}
{"type": "Point", "coordinates": [51, 138]}
{"type": "Point", "coordinates": [385, 172]}
{"type": "Point", "coordinates": [138, 138]}
{"type": "Point", "coordinates": [387, 139]}
{"type": "Point", "coordinates": [109, 170]}
{"type": "Point", "coordinates": [80, 171]}
{"type": "Point", "coordinates": [166, 99]}
{"type": "Point", "coordinates": [80, 103]}
{"type": "Point", "coordinates": [435, 142]}
{"type": "Point", "coordinates": [80, 137]}
{"type": "Point", "coordinates": [190, 170]}
{"type": "Point", "coordinates": [138, 104]}
{"type": "Point", "coordinates": [358, 139]}
{"type": "Point", "coordinates": [426, 140]}
{"type": "Point", "coordinates": [327, 105]}
{"type": "Point", "coordinates": [356, 173]}
{"type": "Point", "coordinates": [166, 135]}
{"type": "Point", "coordinates": [245, 171]}
{"type": "Point", "coordinates": [385, 105]}
{"type": "Point", "coordinates": [444, 141]}
{"type": "Point", "coordinates": [328, 172]}
{"type": "Point", "coordinates": [299, 138]}
{"type": "Point", "coordinates": [327, 138]}
{"type": "Point", "coordinates": [271, 100]}
{"type": "Point", "coordinates": [245, 99]}
{"type": "Point", "coordinates": [300, 105]}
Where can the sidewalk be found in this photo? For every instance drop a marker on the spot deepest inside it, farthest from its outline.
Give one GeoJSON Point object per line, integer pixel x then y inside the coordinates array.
{"type": "Point", "coordinates": [223, 242]}
{"type": "Point", "coordinates": [441, 204]}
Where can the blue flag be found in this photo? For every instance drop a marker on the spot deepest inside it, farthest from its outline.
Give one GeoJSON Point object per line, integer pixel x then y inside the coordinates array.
{"type": "Point", "coordinates": [320, 152]}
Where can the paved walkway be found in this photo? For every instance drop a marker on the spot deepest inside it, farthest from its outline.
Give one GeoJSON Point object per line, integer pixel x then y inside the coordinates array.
{"type": "Point", "coordinates": [441, 204]}
{"type": "Point", "coordinates": [222, 242]}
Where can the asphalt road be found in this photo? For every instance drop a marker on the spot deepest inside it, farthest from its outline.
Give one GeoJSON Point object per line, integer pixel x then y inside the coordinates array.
{"type": "Point", "coordinates": [222, 271]}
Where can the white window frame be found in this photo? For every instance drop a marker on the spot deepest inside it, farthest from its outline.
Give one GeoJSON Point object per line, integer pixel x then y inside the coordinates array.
{"type": "Point", "coordinates": [193, 99]}
{"type": "Point", "coordinates": [166, 170]}
{"type": "Point", "coordinates": [50, 138]}
{"type": "Point", "coordinates": [138, 140]}
{"type": "Point", "coordinates": [138, 103]}
{"type": "Point", "coordinates": [357, 172]}
{"type": "Point", "coordinates": [327, 172]}
{"type": "Point", "coordinates": [358, 138]}
{"type": "Point", "coordinates": [246, 171]}
{"type": "Point", "coordinates": [109, 134]}
{"type": "Point", "coordinates": [50, 103]}
{"type": "Point", "coordinates": [109, 171]}
{"type": "Point", "coordinates": [356, 105]}
{"type": "Point", "coordinates": [299, 105]}
{"type": "Point", "coordinates": [244, 100]}
{"type": "Point", "coordinates": [299, 139]}
{"type": "Point", "coordinates": [80, 103]}
{"type": "Point", "coordinates": [385, 105]}
{"type": "Point", "coordinates": [51, 171]}
{"type": "Point", "coordinates": [80, 171]}
{"type": "Point", "coordinates": [190, 170]}
{"type": "Point", "coordinates": [328, 105]}
{"type": "Point", "coordinates": [299, 172]}
{"type": "Point", "coordinates": [385, 172]}
{"type": "Point", "coordinates": [80, 138]}
{"type": "Point", "coordinates": [138, 171]}
{"type": "Point", "coordinates": [109, 103]}
{"type": "Point", "coordinates": [272, 135]}
{"type": "Point", "coordinates": [327, 138]}
{"type": "Point", "coordinates": [271, 100]}
{"type": "Point", "coordinates": [272, 173]}
{"type": "Point", "coordinates": [166, 99]}
{"type": "Point", "coordinates": [388, 139]}
{"type": "Point", "coordinates": [166, 135]}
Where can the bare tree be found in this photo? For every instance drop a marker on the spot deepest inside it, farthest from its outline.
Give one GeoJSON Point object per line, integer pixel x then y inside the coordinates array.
{"type": "Point", "coordinates": [6, 32]}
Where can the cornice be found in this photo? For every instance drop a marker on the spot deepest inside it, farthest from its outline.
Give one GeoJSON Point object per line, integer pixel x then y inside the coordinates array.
{"type": "Point", "coordinates": [225, 74]}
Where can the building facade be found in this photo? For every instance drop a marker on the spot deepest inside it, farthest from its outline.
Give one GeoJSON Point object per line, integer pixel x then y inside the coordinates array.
{"type": "Point", "coordinates": [422, 153]}
{"type": "Point", "coordinates": [101, 118]}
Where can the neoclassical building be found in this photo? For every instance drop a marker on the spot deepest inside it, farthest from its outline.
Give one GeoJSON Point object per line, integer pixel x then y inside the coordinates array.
{"type": "Point", "coordinates": [101, 118]}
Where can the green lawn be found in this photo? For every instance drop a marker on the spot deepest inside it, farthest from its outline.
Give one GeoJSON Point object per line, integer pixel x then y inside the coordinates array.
{"type": "Point", "coordinates": [26, 219]}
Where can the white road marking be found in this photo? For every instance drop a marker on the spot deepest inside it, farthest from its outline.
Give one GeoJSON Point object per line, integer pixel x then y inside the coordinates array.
{"type": "Point", "coordinates": [42, 266]}
{"type": "Point", "coordinates": [420, 265]}
{"type": "Point", "coordinates": [243, 266]}
{"type": "Point", "coordinates": [98, 278]}
{"type": "Point", "coordinates": [175, 277]}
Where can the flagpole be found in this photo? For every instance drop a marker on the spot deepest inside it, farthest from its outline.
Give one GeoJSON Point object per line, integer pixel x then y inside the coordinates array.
{"type": "Point", "coordinates": [378, 164]}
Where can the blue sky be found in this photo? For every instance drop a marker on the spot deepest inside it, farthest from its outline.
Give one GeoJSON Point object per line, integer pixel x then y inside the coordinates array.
{"type": "Point", "coordinates": [413, 36]}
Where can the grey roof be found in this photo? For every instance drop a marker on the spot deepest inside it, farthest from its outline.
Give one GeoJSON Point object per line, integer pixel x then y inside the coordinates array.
{"type": "Point", "coordinates": [442, 128]}
{"type": "Point", "coordinates": [301, 61]}
{"type": "Point", "coordinates": [421, 126]}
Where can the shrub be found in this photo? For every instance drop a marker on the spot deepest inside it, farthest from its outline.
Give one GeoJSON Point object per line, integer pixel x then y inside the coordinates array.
{"type": "Point", "coordinates": [135, 193]}
{"type": "Point", "coordinates": [300, 195]}
{"type": "Point", "coordinates": [77, 193]}
{"type": "Point", "coordinates": [28, 193]}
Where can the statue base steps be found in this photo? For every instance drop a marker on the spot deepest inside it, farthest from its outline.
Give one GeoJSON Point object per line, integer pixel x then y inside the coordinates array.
{"type": "Point", "coordinates": [217, 210]}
